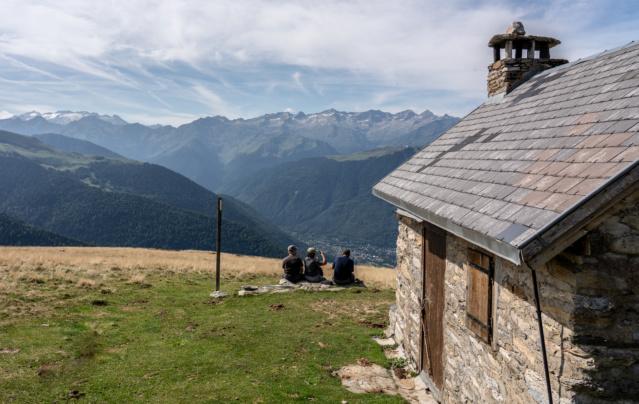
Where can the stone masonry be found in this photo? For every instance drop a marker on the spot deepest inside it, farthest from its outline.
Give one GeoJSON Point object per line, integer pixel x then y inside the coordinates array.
{"type": "Point", "coordinates": [505, 74]}
{"type": "Point", "coordinates": [405, 315]}
{"type": "Point", "coordinates": [590, 302]}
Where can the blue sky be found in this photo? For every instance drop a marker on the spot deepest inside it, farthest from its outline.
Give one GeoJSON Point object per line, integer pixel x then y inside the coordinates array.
{"type": "Point", "coordinates": [170, 62]}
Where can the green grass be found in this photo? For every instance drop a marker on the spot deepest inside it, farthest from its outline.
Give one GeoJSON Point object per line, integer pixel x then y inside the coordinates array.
{"type": "Point", "coordinates": [165, 340]}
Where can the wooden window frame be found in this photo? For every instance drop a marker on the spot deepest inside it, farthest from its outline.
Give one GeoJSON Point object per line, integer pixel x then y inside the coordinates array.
{"type": "Point", "coordinates": [480, 269]}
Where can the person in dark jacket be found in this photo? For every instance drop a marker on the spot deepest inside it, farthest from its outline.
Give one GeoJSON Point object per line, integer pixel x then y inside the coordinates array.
{"type": "Point", "coordinates": [293, 266]}
{"type": "Point", "coordinates": [344, 268]}
{"type": "Point", "coordinates": [313, 266]}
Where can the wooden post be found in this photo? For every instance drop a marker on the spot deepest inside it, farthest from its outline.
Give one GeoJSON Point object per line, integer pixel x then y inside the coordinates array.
{"type": "Point", "coordinates": [218, 244]}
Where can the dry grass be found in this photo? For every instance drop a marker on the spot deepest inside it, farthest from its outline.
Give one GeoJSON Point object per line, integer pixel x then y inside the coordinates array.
{"type": "Point", "coordinates": [89, 267]}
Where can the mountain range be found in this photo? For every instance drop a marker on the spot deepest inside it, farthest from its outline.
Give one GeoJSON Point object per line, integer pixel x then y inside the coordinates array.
{"type": "Point", "coordinates": [121, 202]}
{"type": "Point", "coordinates": [82, 175]}
{"type": "Point", "coordinates": [216, 151]}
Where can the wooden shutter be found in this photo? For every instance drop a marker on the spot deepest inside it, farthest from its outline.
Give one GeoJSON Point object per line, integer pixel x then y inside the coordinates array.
{"type": "Point", "coordinates": [479, 299]}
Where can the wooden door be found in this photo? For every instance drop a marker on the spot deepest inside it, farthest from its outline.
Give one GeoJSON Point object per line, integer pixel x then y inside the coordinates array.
{"type": "Point", "coordinates": [434, 266]}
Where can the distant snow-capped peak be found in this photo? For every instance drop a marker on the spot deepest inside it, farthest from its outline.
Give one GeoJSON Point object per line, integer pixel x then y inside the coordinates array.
{"type": "Point", "coordinates": [65, 117]}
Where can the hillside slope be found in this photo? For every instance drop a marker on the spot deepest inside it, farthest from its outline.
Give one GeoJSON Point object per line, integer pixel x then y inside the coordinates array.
{"type": "Point", "coordinates": [14, 232]}
{"type": "Point", "coordinates": [122, 202]}
{"type": "Point", "coordinates": [67, 143]}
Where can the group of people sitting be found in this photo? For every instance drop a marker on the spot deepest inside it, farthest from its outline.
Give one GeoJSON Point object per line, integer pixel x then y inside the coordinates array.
{"type": "Point", "coordinates": [310, 269]}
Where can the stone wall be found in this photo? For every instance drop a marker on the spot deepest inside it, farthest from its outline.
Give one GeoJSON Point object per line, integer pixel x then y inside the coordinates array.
{"type": "Point", "coordinates": [405, 316]}
{"type": "Point", "coordinates": [590, 302]}
{"type": "Point", "coordinates": [606, 318]}
{"type": "Point", "coordinates": [505, 74]}
{"type": "Point", "coordinates": [510, 369]}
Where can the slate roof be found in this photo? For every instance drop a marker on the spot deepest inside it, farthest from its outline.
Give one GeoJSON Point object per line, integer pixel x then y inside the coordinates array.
{"type": "Point", "coordinates": [520, 161]}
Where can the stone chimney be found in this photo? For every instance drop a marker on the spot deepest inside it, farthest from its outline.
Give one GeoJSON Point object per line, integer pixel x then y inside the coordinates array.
{"type": "Point", "coordinates": [513, 69]}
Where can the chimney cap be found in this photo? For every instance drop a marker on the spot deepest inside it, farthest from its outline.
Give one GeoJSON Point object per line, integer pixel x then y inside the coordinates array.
{"type": "Point", "coordinates": [517, 34]}
{"type": "Point", "coordinates": [516, 28]}
{"type": "Point", "coordinates": [500, 40]}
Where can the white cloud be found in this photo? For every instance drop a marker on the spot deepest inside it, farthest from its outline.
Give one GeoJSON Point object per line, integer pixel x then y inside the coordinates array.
{"type": "Point", "coordinates": [214, 102]}
{"type": "Point", "coordinates": [240, 55]}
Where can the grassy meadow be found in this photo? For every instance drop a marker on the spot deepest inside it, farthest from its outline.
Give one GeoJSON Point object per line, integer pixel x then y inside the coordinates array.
{"type": "Point", "coordinates": [138, 325]}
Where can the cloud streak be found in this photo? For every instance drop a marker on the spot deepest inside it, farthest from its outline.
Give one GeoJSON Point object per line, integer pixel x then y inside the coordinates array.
{"type": "Point", "coordinates": [246, 58]}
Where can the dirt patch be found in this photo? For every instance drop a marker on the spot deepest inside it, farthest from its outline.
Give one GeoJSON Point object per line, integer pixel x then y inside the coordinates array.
{"type": "Point", "coordinates": [276, 307]}
{"type": "Point", "coordinates": [47, 369]}
{"type": "Point", "coordinates": [216, 302]}
{"type": "Point", "coordinates": [9, 351]}
{"type": "Point", "coordinates": [75, 394]}
{"type": "Point", "coordinates": [369, 323]}
{"type": "Point", "coordinates": [401, 373]}
{"type": "Point", "coordinates": [364, 362]}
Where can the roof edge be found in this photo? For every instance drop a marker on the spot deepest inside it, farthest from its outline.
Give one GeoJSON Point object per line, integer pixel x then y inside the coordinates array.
{"type": "Point", "coordinates": [578, 205]}
{"type": "Point", "coordinates": [582, 217]}
{"type": "Point", "coordinates": [503, 250]}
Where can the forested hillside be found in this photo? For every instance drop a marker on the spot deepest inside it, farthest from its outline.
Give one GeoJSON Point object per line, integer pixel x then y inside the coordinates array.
{"type": "Point", "coordinates": [14, 232]}
{"type": "Point", "coordinates": [123, 203]}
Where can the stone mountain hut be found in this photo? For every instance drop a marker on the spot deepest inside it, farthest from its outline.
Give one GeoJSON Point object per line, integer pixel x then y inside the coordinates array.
{"type": "Point", "coordinates": [531, 202]}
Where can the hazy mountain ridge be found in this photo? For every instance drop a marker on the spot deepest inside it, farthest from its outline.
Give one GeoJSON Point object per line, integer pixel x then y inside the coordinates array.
{"type": "Point", "coordinates": [121, 202]}
{"type": "Point", "coordinates": [67, 143]}
{"type": "Point", "coordinates": [215, 150]}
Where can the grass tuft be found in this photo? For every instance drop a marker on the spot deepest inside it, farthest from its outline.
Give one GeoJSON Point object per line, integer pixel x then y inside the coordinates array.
{"type": "Point", "coordinates": [86, 283]}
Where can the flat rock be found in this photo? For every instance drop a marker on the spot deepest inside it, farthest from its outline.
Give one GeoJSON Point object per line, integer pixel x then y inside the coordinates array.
{"type": "Point", "coordinates": [286, 286]}
{"type": "Point", "coordinates": [219, 294]}
{"type": "Point", "coordinates": [367, 379]}
{"type": "Point", "coordinates": [372, 378]}
{"type": "Point", "coordinates": [384, 341]}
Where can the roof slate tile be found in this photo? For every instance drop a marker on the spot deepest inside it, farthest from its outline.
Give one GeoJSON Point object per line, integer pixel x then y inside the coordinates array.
{"type": "Point", "coordinates": [543, 148]}
{"type": "Point", "coordinates": [630, 154]}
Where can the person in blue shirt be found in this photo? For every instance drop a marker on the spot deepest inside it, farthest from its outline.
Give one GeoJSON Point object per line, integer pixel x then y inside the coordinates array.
{"type": "Point", "coordinates": [344, 268]}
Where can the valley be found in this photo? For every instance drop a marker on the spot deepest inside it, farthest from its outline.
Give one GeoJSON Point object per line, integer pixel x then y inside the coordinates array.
{"type": "Point", "coordinates": [286, 179]}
